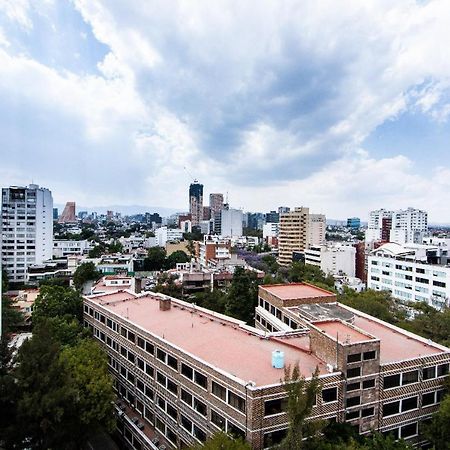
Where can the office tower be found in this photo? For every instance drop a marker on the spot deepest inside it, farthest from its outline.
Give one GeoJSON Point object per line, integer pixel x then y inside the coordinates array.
{"type": "Point", "coordinates": [293, 234]}
{"type": "Point", "coordinates": [196, 202]}
{"type": "Point", "coordinates": [353, 222]}
{"type": "Point", "coordinates": [215, 204]}
{"type": "Point", "coordinates": [231, 222]}
{"type": "Point", "coordinates": [55, 214]}
{"type": "Point", "coordinates": [283, 209]}
{"type": "Point", "coordinates": [68, 215]}
{"type": "Point", "coordinates": [272, 217]}
{"type": "Point", "coordinates": [26, 229]}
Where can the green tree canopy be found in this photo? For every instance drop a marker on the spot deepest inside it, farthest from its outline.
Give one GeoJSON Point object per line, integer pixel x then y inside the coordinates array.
{"type": "Point", "coordinates": [97, 251]}
{"type": "Point", "coordinates": [115, 247]}
{"type": "Point", "coordinates": [85, 272]}
{"type": "Point", "coordinates": [156, 258]}
{"type": "Point", "coordinates": [57, 301]}
{"type": "Point", "coordinates": [176, 257]}
{"type": "Point", "coordinates": [222, 441]}
{"type": "Point", "coordinates": [438, 432]}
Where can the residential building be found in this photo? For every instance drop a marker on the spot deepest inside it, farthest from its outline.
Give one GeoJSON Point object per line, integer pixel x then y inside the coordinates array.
{"type": "Point", "coordinates": [196, 202]}
{"type": "Point", "coordinates": [26, 229]}
{"type": "Point", "coordinates": [210, 252]}
{"type": "Point", "coordinates": [283, 209]}
{"type": "Point", "coordinates": [164, 235]}
{"type": "Point", "coordinates": [317, 229]}
{"type": "Point", "coordinates": [68, 215]}
{"type": "Point", "coordinates": [293, 234]}
{"type": "Point", "coordinates": [215, 204]}
{"type": "Point", "coordinates": [354, 223]}
{"type": "Point", "coordinates": [411, 272]}
{"type": "Point", "coordinates": [67, 247]}
{"type": "Point", "coordinates": [230, 222]}
{"type": "Point", "coordinates": [177, 391]}
{"type": "Point", "coordinates": [270, 230]}
{"type": "Point", "coordinates": [53, 268]}
{"type": "Point", "coordinates": [333, 259]}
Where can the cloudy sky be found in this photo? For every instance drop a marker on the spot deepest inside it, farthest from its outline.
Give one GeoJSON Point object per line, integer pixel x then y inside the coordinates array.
{"type": "Point", "coordinates": [340, 106]}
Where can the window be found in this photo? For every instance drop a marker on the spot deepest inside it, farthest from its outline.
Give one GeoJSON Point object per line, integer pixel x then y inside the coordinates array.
{"type": "Point", "coordinates": [391, 381]}
{"type": "Point", "coordinates": [367, 384]}
{"type": "Point", "coordinates": [161, 355]}
{"type": "Point", "coordinates": [442, 370]}
{"type": "Point", "coordinates": [141, 364]}
{"type": "Point", "coordinates": [149, 393]}
{"type": "Point", "coordinates": [368, 412]}
{"type": "Point", "coordinates": [353, 401]}
{"type": "Point", "coordinates": [123, 332]}
{"type": "Point", "coordinates": [352, 415]}
{"type": "Point", "coordinates": [217, 420]}
{"type": "Point", "coordinates": [172, 387]}
{"type": "Point", "coordinates": [329, 395]}
{"type": "Point", "coordinates": [356, 357]}
{"type": "Point", "coordinates": [410, 377]}
{"type": "Point", "coordinates": [275, 406]}
{"type": "Point", "coordinates": [353, 386]}
{"type": "Point", "coordinates": [149, 370]}
{"type": "Point", "coordinates": [355, 372]}
{"type": "Point", "coordinates": [201, 380]}
{"type": "Point", "coordinates": [219, 391]}
{"type": "Point", "coordinates": [429, 372]}
{"type": "Point", "coordinates": [439, 396]}
{"type": "Point", "coordinates": [409, 403]}
{"type": "Point", "coordinates": [274, 437]}
{"type": "Point", "coordinates": [140, 385]}
{"type": "Point", "coordinates": [200, 407]}
{"type": "Point", "coordinates": [172, 362]}
{"type": "Point", "coordinates": [161, 379]}
{"type": "Point", "coordinates": [408, 430]}
{"type": "Point", "coordinates": [187, 371]}
{"type": "Point", "coordinates": [131, 336]}
{"type": "Point", "coordinates": [236, 401]}
{"type": "Point", "coordinates": [148, 414]}
{"type": "Point", "coordinates": [199, 434]}
{"type": "Point", "coordinates": [369, 355]}
{"type": "Point", "coordinates": [428, 399]}
{"type": "Point", "coordinates": [235, 431]}
{"type": "Point", "coordinates": [149, 348]}
{"type": "Point", "coordinates": [186, 397]}
{"type": "Point", "coordinates": [171, 436]}
{"type": "Point", "coordinates": [159, 425]}
{"type": "Point", "coordinates": [171, 412]}
{"type": "Point", "coordinates": [141, 343]}
{"type": "Point", "coordinates": [186, 423]}
{"type": "Point", "coordinates": [389, 409]}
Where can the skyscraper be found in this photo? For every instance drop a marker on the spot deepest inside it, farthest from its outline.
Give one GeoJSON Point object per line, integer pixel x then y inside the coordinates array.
{"type": "Point", "coordinates": [196, 202]}
{"type": "Point", "coordinates": [26, 229]}
{"type": "Point", "coordinates": [68, 215]}
{"type": "Point", "coordinates": [215, 204]}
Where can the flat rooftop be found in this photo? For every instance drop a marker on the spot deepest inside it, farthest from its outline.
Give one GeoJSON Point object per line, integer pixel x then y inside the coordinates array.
{"type": "Point", "coordinates": [214, 339]}
{"type": "Point", "coordinates": [296, 291]}
{"type": "Point", "coordinates": [322, 311]}
{"type": "Point", "coordinates": [344, 333]}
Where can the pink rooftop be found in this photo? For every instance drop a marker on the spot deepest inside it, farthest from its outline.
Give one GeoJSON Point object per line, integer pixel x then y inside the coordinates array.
{"type": "Point", "coordinates": [341, 331]}
{"type": "Point", "coordinates": [296, 291]}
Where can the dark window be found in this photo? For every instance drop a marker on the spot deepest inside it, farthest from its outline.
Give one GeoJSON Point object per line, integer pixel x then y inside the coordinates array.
{"type": "Point", "coordinates": [410, 377]}
{"type": "Point", "coordinates": [428, 399]}
{"type": "Point", "coordinates": [141, 364]}
{"type": "Point", "coordinates": [200, 407]}
{"type": "Point", "coordinates": [187, 371]}
{"type": "Point", "coordinates": [172, 387]}
{"type": "Point", "coordinates": [131, 336]}
{"type": "Point", "coordinates": [159, 425]}
{"type": "Point", "coordinates": [149, 348]}
{"type": "Point", "coordinates": [161, 355]}
{"type": "Point", "coordinates": [171, 436]}
{"type": "Point", "coordinates": [353, 401]}
{"type": "Point", "coordinates": [219, 391]}
{"type": "Point", "coordinates": [394, 433]}
{"type": "Point", "coordinates": [356, 357]}
{"type": "Point", "coordinates": [201, 380]}
{"type": "Point", "coordinates": [130, 377]}
{"type": "Point", "coordinates": [408, 430]}
{"type": "Point", "coordinates": [140, 385]}
{"type": "Point", "coordinates": [186, 424]}
{"type": "Point", "coordinates": [141, 342]}
{"type": "Point", "coordinates": [352, 415]}
{"type": "Point", "coordinates": [422, 280]}
{"type": "Point", "coordinates": [172, 362]}
{"type": "Point", "coordinates": [391, 408]}
{"type": "Point", "coordinates": [235, 431]}
{"type": "Point", "coordinates": [439, 283]}
{"type": "Point", "coordinates": [236, 401]}
{"type": "Point", "coordinates": [329, 395]}
{"type": "Point", "coordinates": [199, 434]}
{"type": "Point", "coordinates": [149, 370]}
{"type": "Point", "coordinates": [353, 386]}
{"type": "Point", "coordinates": [217, 420]}
{"type": "Point", "coordinates": [172, 412]}
{"type": "Point", "coordinates": [442, 370]}
{"type": "Point", "coordinates": [391, 381]}
{"type": "Point", "coordinates": [130, 357]}
{"type": "Point", "coordinates": [275, 406]}
{"type": "Point", "coordinates": [429, 372]}
{"type": "Point", "coordinates": [123, 332]}
{"type": "Point", "coordinates": [149, 392]}
{"type": "Point", "coordinates": [439, 396]}
{"type": "Point", "coordinates": [355, 372]}
{"type": "Point", "coordinates": [274, 437]}
{"type": "Point", "coordinates": [186, 397]}
{"type": "Point", "coordinates": [367, 412]}
{"type": "Point", "coordinates": [367, 384]}
{"type": "Point", "coordinates": [369, 355]}
{"type": "Point", "coordinates": [161, 403]}
{"type": "Point", "coordinates": [160, 378]}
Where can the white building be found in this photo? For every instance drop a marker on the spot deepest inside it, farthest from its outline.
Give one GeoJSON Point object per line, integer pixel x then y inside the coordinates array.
{"type": "Point", "coordinates": [164, 235]}
{"type": "Point", "coordinates": [411, 272]}
{"type": "Point", "coordinates": [337, 259]}
{"type": "Point", "coordinates": [231, 222]}
{"type": "Point", "coordinates": [26, 229]}
{"type": "Point", "coordinates": [316, 229]}
{"type": "Point", "coordinates": [270, 230]}
{"type": "Point", "coordinates": [66, 247]}
{"type": "Point", "coordinates": [401, 226]}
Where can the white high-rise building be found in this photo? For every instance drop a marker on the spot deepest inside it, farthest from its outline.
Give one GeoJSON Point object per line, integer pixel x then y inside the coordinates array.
{"type": "Point", "coordinates": [26, 229]}
{"type": "Point", "coordinates": [334, 259]}
{"type": "Point", "coordinates": [317, 229]}
{"type": "Point", "coordinates": [231, 222]}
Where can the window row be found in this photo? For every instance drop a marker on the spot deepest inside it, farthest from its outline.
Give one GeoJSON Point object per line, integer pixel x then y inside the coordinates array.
{"type": "Point", "coordinates": [366, 412]}
{"type": "Point", "coordinates": [225, 425]}
{"type": "Point", "coordinates": [365, 356]}
{"type": "Point", "coordinates": [407, 404]}
{"type": "Point", "coordinates": [228, 396]}
{"type": "Point", "coordinates": [405, 378]}
{"type": "Point", "coordinates": [366, 384]}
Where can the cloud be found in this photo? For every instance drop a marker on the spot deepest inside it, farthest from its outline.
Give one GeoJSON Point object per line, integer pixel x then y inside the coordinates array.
{"type": "Point", "coordinates": [272, 101]}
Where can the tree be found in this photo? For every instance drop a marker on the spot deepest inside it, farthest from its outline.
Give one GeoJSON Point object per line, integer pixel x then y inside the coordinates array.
{"type": "Point", "coordinates": [222, 441]}
{"type": "Point", "coordinates": [243, 295]}
{"type": "Point", "coordinates": [176, 257]}
{"type": "Point", "coordinates": [301, 398]}
{"type": "Point", "coordinates": [301, 272]}
{"type": "Point", "coordinates": [115, 247]}
{"type": "Point", "coordinates": [191, 248]}
{"type": "Point", "coordinates": [156, 258]}
{"type": "Point", "coordinates": [438, 431]}
{"type": "Point", "coordinates": [57, 301]}
{"type": "Point", "coordinates": [5, 281]}
{"type": "Point", "coordinates": [167, 286]}
{"type": "Point", "coordinates": [85, 272]}
{"type": "Point", "coordinates": [214, 300]}
{"type": "Point", "coordinates": [97, 251]}
{"type": "Point", "coordinates": [12, 319]}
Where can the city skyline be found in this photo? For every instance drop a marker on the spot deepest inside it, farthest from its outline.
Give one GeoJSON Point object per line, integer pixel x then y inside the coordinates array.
{"type": "Point", "coordinates": [344, 110]}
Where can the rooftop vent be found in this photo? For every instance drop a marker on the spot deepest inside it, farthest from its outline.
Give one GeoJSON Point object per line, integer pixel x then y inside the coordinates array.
{"type": "Point", "coordinates": [165, 304]}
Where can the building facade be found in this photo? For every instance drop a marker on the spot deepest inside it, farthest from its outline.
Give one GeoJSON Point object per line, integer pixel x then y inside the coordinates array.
{"type": "Point", "coordinates": [69, 214]}
{"type": "Point", "coordinates": [215, 204]}
{"type": "Point", "coordinates": [182, 372]}
{"type": "Point", "coordinates": [231, 222]}
{"type": "Point", "coordinates": [196, 202]}
{"type": "Point", "coordinates": [335, 259]}
{"type": "Point", "coordinates": [26, 229]}
{"type": "Point", "coordinates": [354, 223]}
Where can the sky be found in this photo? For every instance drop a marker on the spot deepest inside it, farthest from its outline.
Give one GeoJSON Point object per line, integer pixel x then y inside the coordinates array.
{"type": "Point", "coordinates": [340, 106]}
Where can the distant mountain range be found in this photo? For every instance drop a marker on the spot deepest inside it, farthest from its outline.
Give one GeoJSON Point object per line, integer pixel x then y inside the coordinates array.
{"type": "Point", "coordinates": [127, 210]}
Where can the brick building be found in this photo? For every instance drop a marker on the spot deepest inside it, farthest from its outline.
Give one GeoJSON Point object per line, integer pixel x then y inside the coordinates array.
{"type": "Point", "coordinates": [185, 372]}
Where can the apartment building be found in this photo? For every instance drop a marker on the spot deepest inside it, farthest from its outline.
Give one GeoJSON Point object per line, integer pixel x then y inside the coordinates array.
{"type": "Point", "coordinates": [196, 202]}
{"type": "Point", "coordinates": [184, 372]}
{"type": "Point", "coordinates": [68, 247]}
{"type": "Point", "coordinates": [26, 229]}
{"type": "Point", "coordinates": [411, 272]}
{"type": "Point", "coordinates": [336, 259]}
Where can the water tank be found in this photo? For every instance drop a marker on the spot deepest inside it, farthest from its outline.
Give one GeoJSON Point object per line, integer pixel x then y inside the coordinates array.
{"type": "Point", "coordinates": [278, 359]}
